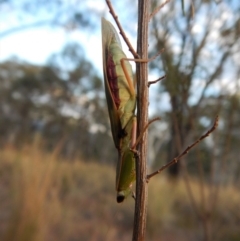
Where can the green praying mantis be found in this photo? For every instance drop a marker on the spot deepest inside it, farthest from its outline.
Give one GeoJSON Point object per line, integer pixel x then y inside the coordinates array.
{"type": "Point", "coordinates": [121, 101]}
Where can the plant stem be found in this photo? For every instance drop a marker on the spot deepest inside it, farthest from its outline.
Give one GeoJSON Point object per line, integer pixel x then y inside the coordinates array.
{"type": "Point", "coordinates": [140, 214]}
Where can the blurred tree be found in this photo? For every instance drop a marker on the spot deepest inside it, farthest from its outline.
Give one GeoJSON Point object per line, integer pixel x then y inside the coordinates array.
{"type": "Point", "coordinates": [200, 62]}
{"type": "Point", "coordinates": [26, 14]}
{"type": "Point", "coordinates": [63, 98]}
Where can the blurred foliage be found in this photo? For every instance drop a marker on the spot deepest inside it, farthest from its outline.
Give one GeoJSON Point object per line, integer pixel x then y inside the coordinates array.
{"type": "Point", "coordinates": [43, 197]}
{"type": "Point", "coordinates": [69, 15]}
{"type": "Point", "coordinates": [202, 78]}
{"type": "Point", "coordinates": [56, 102]}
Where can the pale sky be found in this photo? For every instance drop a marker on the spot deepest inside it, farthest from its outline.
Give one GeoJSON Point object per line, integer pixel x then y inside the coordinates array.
{"type": "Point", "coordinates": [38, 44]}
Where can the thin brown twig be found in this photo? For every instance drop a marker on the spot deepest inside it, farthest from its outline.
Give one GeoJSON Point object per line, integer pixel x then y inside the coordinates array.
{"type": "Point", "coordinates": [155, 81]}
{"type": "Point", "coordinates": [157, 9]}
{"type": "Point", "coordinates": [155, 56]}
{"type": "Point", "coordinates": [176, 159]}
{"type": "Point", "coordinates": [145, 128]}
{"type": "Point", "coordinates": [193, 9]}
{"type": "Point", "coordinates": [131, 49]}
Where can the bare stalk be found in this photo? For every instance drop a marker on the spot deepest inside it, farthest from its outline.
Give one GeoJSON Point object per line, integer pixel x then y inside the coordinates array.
{"type": "Point", "coordinates": [140, 215]}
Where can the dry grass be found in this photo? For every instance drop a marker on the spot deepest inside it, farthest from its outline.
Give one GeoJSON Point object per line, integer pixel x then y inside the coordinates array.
{"type": "Point", "coordinates": [43, 198]}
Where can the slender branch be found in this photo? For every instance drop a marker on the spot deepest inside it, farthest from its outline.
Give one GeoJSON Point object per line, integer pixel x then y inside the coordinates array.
{"type": "Point", "coordinates": [176, 159]}
{"type": "Point", "coordinates": [155, 81]}
{"type": "Point", "coordinates": [24, 27]}
{"type": "Point", "coordinates": [142, 133]}
{"type": "Point", "coordinates": [157, 9]}
{"type": "Point", "coordinates": [190, 192]}
{"type": "Point", "coordinates": [213, 76]}
{"type": "Point", "coordinates": [192, 9]}
{"type": "Point", "coordinates": [131, 49]}
{"type": "Point", "coordinates": [156, 55]}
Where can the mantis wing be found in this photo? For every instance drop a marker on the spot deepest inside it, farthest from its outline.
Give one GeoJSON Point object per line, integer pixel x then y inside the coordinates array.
{"type": "Point", "coordinates": [108, 34]}
{"type": "Point", "coordinates": [119, 91]}
{"type": "Point", "coordinates": [121, 101]}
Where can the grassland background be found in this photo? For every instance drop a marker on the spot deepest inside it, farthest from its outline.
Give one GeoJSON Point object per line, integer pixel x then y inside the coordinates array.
{"type": "Point", "coordinates": [44, 198]}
